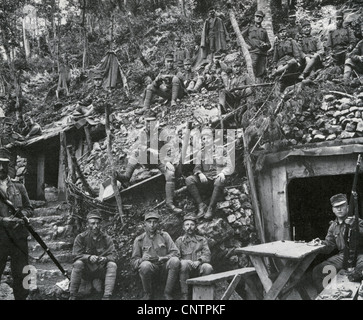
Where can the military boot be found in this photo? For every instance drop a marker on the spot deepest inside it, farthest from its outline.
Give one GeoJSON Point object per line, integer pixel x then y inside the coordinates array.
{"type": "Point", "coordinates": [198, 85]}
{"type": "Point", "coordinates": [169, 191]}
{"type": "Point", "coordinates": [183, 286]}
{"type": "Point", "coordinates": [173, 276]}
{"type": "Point", "coordinates": [147, 103]}
{"type": "Point", "coordinates": [347, 72]}
{"type": "Point", "coordinates": [213, 201]}
{"type": "Point", "coordinates": [174, 93]}
{"type": "Point", "coordinates": [194, 192]}
{"type": "Point", "coordinates": [109, 280]}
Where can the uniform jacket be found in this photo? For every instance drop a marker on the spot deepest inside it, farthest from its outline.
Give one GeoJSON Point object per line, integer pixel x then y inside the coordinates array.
{"type": "Point", "coordinates": [357, 52]}
{"type": "Point", "coordinates": [161, 245]}
{"type": "Point", "coordinates": [339, 39]}
{"type": "Point", "coordinates": [85, 246]}
{"type": "Point", "coordinates": [238, 80]}
{"type": "Point", "coordinates": [335, 236]}
{"type": "Point", "coordinates": [193, 248]}
{"type": "Point", "coordinates": [286, 49]}
{"type": "Point", "coordinates": [180, 54]}
{"type": "Point", "coordinates": [309, 45]}
{"type": "Point", "coordinates": [255, 37]}
{"type": "Point", "coordinates": [18, 195]}
{"type": "Point", "coordinates": [166, 76]}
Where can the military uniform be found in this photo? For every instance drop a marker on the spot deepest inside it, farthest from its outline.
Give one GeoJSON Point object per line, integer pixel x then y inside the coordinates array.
{"type": "Point", "coordinates": [354, 61]}
{"type": "Point", "coordinates": [180, 54]}
{"type": "Point", "coordinates": [154, 246]}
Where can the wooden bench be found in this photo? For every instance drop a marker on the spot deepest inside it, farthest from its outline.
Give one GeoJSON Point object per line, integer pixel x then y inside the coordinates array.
{"type": "Point", "coordinates": [204, 287]}
{"type": "Point", "coordinates": [340, 288]}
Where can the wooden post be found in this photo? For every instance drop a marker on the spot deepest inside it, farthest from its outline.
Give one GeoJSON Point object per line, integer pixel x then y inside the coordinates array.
{"type": "Point", "coordinates": [88, 137]}
{"type": "Point", "coordinates": [62, 172]}
{"type": "Point", "coordinates": [110, 158]}
{"type": "Point", "coordinates": [40, 176]}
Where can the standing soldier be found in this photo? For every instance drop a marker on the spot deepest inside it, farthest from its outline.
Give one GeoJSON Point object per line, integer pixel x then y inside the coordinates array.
{"type": "Point", "coordinates": [13, 233]}
{"type": "Point", "coordinates": [214, 35]}
{"type": "Point", "coordinates": [312, 49]}
{"type": "Point", "coordinates": [340, 41]}
{"type": "Point", "coordinates": [194, 254]}
{"type": "Point", "coordinates": [94, 258]}
{"type": "Point", "coordinates": [257, 38]}
{"type": "Point", "coordinates": [168, 84]}
{"type": "Point", "coordinates": [180, 54]}
{"type": "Point", "coordinates": [155, 253]}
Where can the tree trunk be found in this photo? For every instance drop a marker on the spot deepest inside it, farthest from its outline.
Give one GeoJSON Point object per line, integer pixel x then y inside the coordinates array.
{"type": "Point", "coordinates": [242, 44]}
{"type": "Point", "coordinates": [85, 38]}
{"type": "Point", "coordinates": [26, 41]}
{"type": "Point", "coordinates": [182, 7]}
{"type": "Point", "coordinates": [265, 7]}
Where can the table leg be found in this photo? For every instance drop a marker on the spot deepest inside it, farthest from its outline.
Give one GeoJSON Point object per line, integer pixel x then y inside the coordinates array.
{"type": "Point", "coordinates": [262, 272]}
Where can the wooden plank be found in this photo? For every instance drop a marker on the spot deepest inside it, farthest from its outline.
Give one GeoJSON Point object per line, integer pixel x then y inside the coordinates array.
{"type": "Point", "coordinates": [40, 176]}
{"type": "Point", "coordinates": [62, 174]}
{"type": "Point", "coordinates": [231, 287]}
{"type": "Point", "coordinates": [262, 272]}
{"type": "Point", "coordinates": [337, 288]}
{"type": "Point", "coordinates": [212, 278]}
{"type": "Point", "coordinates": [252, 290]}
{"type": "Point", "coordinates": [265, 189]}
{"type": "Point", "coordinates": [203, 292]}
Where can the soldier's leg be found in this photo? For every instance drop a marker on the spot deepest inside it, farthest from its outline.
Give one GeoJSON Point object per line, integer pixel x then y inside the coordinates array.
{"type": "Point", "coordinates": [172, 268]}
{"type": "Point", "coordinates": [176, 91]}
{"type": "Point", "coordinates": [124, 178]}
{"type": "Point", "coordinates": [192, 183]}
{"type": "Point", "coordinates": [327, 269]}
{"type": "Point", "coordinates": [217, 192]}
{"type": "Point", "coordinates": [348, 68]}
{"type": "Point", "coordinates": [199, 84]}
{"type": "Point", "coordinates": [76, 278]}
{"type": "Point", "coordinates": [146, 272]}
{"type": "Point", "coordinates": [19, 259]}
{"type": "Point", "coordinates": [110, 279]}
{"type": "Point", "coordinates": [185, 268]}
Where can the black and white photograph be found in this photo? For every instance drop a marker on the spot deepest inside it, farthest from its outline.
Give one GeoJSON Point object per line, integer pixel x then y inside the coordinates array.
{"type": "Point", "coordinates": [181, 157]}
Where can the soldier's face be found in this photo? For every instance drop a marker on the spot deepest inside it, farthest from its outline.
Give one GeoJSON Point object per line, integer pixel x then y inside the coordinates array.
{"type": "Point", "coordinates": [97, 82]}
{"type": "Point", "coordinates": [258, 19]}
{"type": "Point", "coordinates": [4, 169]}
{"type": "Point", "coordinates": [94, 225]}
{"type": "Point", "coordinates": [178, 43]}
{"type": "Point", "coordinates": [236, 68]}
{"type": "Point", "coordinates": [212, 13]}
{"type": "Point", "coordinates": [189, 227]}
{"type": "Point", "coordinates": [187, 67]}
{"type": "Point", "coordinates": [7, 127]}
{"type": "Point", "coordinates": [341, 211]}
{"type": "Point", "coordinates": [151, 225]}
{"type": "Point", "coordinates": [339, 22]}
{"type": "Point", "coordinates": [306, 30]}
{"type": "Point", "coordinates": [169, 63]}
{"type": "Point", "coordinates": [282, 34]}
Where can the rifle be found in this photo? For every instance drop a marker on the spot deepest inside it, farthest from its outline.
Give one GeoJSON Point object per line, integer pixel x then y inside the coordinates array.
{"type": "Point", "coordinates": [351, 234]}
{"type": "Point", "coordinates": [252, 86]}
{"type": "Point", "coordinates": [33, 232]}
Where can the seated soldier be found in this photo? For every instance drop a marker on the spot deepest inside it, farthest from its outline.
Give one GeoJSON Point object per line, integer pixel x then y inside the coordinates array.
{"type": "Point", "coordinates": [355, 60]}
{"type": "Point", "coordinates": [164, 164]}
{"type": "Point", "coordinates": [194, 254]}
{"type": "Point", "coordinates": [94, 259]}
{"type": "Point", "coordinates": [210, 171]}
{"type": "Point", "coordinates": [231, 96]}
{"type": "Point", "coordinates": [31, 128]}
{"type": "Point", "coordinates": [215, 73]}
{"type": "Point", "coordinates": [180, 53]}
{"type": "Point", "coordinates": [340, 41]}
{"type": "Point", "coordinates": [311, 48]}
{"type": "Point", "coordinates": [168, 85]}
{"type": "Point", "coordinates": [286, 55]}
{"type": "Point", "coordinates": [190, 77]}
{"type": "Point", "coordinates": [154, 253]}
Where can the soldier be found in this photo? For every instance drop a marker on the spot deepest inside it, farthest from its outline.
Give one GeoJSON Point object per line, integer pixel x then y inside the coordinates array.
{"type": "Point", "coordinates": [355, 59]}
{"type": "Point", "coordinates": [291, 28]}
{"type": "Point", "coordinates": [180, 54]}
{"type": "Point", "coordinates": [312, 49]}
{"type": "Point", "coordinates": [168, 84]}
{"type": "Point", "coordinates": [286, 54]}
{"type": "Point", "coordinates": [13, 233]}
{"type": "Point", "coordinates": [257, 38]}
{"type": "Point", "coordinates": [210, 172]}
{"type": "Point", "coordinates": [94, 258]}
{"type": "Point", "coordinates": [155, 253]}
{"type": "Point", "coordinates": [164, 164]}
{"type": "Point", "coordinates": [214, 35]}
{"type": "Point", "coordinates": [229, 95]}
{"type": "Point", "coordinates": [31, 128]}
{"type": "Point", "coordinates": [194, 254]}
{"type": "Point", "coordinates": [340, 41]}
{"type": "Point", "coordinates": [190, 77]}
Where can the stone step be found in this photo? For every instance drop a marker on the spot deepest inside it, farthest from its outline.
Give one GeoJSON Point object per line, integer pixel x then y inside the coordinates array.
{"type": "Point", "coordinates": [54, 246]}
{"type": "Point", "coordinates": [51, 211]}
{"type": "Point", "coordinates": [62, 257]}
{"type": "Point", "coordinates": [52, 220]}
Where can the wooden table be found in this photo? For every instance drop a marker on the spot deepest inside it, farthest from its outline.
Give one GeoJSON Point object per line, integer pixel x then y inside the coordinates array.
{"type": "Point", "coordinates": [290, 259]}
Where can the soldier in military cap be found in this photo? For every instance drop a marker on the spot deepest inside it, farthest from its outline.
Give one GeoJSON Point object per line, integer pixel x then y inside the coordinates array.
{"type": "Point", "coordinates": [180, 53]}
{"type": "Point", "coordinates": [355, 59]}
{"type": "Point", "coordinates": [292, 29]}
{"type": "Point", "coordinates": [155, 254]}
{"type": "Point", "coordinates": [190, 77]}
{"type": "Point", "coordinates": [13, 233]}
{"type": "Point", "coordinates": [94, 260]}
{"type": "Point", "coordinates": [335, 240]}
{"type": "Point", "coordinates": [340, 41]}
{"type": "Point", "coordinates": [214, 74]}
{"type": "Point", "coordinates": [259, 43]}
{"type": "Point", "coordinates": [194, 254]}
{"type": "Point", "coordinates": [312, 49]}
{"type": "Point", "coordinates": [168, 84]}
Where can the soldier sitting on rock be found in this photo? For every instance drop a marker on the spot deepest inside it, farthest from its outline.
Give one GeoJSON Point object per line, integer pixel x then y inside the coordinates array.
{"type": "Point", "coordinates": [163, 163]}
{"type": "Point", "coordinates": [168, 84]}
{"type": "Point", "coordinates": [355, 60]}
{"type": "Point", "coordinates": [230, 97]}
{"type": "Point", "coordinates": [312, 50]}
{"type": "Point", "coordinates": [194, 254]}
{"type": "Point", "coordinates": [31, 128]}
{"type": "Point", "coordinates": [180, 53]}
{"type": "Point", "coordinates": [209, 174]}
{"type": "Point", "coordinates": [154, 253]}
{"type": "Point", "coordinates": [94, 260]}
{"type": "Point", "coordinates": [191, 79]}
{"type": "Point", "coordinates": [340, 41]}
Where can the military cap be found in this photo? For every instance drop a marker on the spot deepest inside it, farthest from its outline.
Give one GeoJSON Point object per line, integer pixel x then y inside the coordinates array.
{"type": "Point", "coordinates": [217, 56]}
{"type": "Point", "coordinates": [4, 155]}
{"type": "Point", "coordinates": [305, 23]}
{"type": "Point", "coordinates": [338, 199]}
{"type": "Point", "coordinates": [292, 14]}
{"type": "Point", "coordinates": [152, 215]}
{"type": "Point", "coordinates": [259, 13]}
{"type": "Point", "coordinates": [339, 14]}
{"type": "Point", "coordinates": [190, 216]}
{"type": "Point", "coordinates": [211, 9]}
{"type": "Point", "coordinates": [282, 27]}
{"type": "Point", "coordinates": [97, 74]}
{"type": "Point", "coordinates": [169, 56]}
{"type": "Point", "coordinates": [187, 61]}
{"type": "Point", "coordinates": [179, 63]}
{"type": "Point", "coordinates": [94, 214]}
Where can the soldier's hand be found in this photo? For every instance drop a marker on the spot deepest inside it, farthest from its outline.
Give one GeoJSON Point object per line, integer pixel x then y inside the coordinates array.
{"type": "Point", "coordinates": [163, 259]}
{"type": "Point", "coordinates": [93, 259]}
{"type": "Point", "coordinates": [196, 264]}
{"type": "Point", "coordinates": [221, 177]}
{"type": "Point", "coordinates": [349, 221]}
{"type": "Point", "coordinates": [102, 259]}
{"type": "Point", "coordinates": [315, 242]}
{"type": "Point", "coordinates": [202, 178]}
